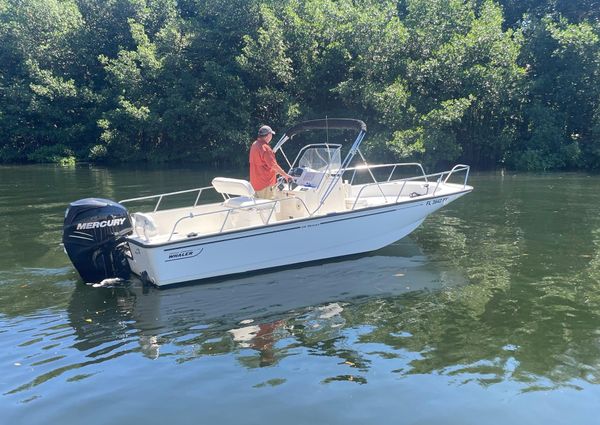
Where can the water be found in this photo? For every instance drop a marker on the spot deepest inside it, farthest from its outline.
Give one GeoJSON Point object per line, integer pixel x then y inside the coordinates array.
{"type": "Point", "coordinates": [487, 314]}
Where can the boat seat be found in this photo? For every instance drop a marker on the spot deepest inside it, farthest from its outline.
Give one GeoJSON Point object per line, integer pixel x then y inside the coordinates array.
{"type": "Point", "coordinates": [247, 202]}
{"type": "Point", "coordinates": [245, 194]}
{"type": "Point", "coordinates": [237, 187]}
{"type": "Point", "coordinates": [144, 225]}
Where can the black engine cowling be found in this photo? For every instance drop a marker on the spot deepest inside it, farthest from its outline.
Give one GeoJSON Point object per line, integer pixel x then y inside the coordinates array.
{"type": "Point", "coordinates": [93, 235]}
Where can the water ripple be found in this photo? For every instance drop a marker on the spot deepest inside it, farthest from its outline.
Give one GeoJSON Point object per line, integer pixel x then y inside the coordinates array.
{"type": "Point", "coordinates": [495, 304]}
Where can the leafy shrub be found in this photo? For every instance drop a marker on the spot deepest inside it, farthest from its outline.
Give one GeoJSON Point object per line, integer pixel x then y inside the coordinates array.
{"type": "Point", "coordinates": [57, 154]}
{"type": "Point", "coordinates": [98, 153]}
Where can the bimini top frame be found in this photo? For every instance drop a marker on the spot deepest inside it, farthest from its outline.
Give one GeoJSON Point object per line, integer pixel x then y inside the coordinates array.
{"type": "Point", "coordinates": [324, 124]}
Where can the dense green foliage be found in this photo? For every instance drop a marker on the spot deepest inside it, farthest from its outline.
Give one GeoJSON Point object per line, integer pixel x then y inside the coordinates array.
{"type": "Point", "coordinates": [492, 83]}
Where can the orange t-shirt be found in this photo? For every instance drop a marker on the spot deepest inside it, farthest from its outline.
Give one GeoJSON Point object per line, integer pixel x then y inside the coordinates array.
{"type": "Point", "coordinates": [262, 161]}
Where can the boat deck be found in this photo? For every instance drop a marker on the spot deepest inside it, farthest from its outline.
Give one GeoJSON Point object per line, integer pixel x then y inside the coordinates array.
{"type": "Point", "coordinates": [211, 219]}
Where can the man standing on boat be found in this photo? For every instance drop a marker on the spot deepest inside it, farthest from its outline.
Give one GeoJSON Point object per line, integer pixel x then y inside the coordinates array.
{"type": "Point", "coordinates": [263, 165]}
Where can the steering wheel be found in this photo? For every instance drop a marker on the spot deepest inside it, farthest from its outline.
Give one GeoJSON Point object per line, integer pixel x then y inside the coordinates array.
{"type": "Point", "coordinates": [282, 181]}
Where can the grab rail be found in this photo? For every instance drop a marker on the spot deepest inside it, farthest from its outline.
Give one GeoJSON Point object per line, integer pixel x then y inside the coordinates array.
{"type": "Point", "coordinates": [231, 209]}
{"type": "Point", "coordinates": [393, 165]}
{"type": "Point", "coordinates": [459, 168]}
{"type": "Point", "coordinates": [440, 176]}
{"type": "Point", "coordinates": [163, 195]}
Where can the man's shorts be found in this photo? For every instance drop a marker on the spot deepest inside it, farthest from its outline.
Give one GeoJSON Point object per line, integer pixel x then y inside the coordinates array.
{"type": "Point", "coordinates": [266, 193]}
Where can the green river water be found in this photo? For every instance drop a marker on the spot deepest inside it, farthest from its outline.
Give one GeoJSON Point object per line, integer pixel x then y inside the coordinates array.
{"type": "Point", "coordinates": [487, 314]}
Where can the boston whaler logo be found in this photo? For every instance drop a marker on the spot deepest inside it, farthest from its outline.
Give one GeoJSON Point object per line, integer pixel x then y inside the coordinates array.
{"type": "Point", "coordinates": [100, 224]}
{"type": "Point", "coordinates": [183, 254]}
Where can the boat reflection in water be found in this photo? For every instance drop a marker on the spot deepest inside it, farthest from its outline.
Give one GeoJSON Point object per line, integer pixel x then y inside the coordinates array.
{"type": "Point", "coordinates": [255, 311]}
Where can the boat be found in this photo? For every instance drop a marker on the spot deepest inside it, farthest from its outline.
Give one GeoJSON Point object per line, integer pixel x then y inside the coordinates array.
{"type": "Point", "coordinates": [327, 210]}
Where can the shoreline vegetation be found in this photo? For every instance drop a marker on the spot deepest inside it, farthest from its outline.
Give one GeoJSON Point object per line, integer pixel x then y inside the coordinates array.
{"type": "Point", "coordinates": [490, 83]}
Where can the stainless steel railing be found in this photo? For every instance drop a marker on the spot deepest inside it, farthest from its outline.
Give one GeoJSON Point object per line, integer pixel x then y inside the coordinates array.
{"type": "Point", "coordinates": [229, 210]}
{"type": "Point", "coordinates": [440, 178]}
{"type": "Point", "coordinates": [393, 166]}
{"type": "Point", "coordinates": [161, 196]}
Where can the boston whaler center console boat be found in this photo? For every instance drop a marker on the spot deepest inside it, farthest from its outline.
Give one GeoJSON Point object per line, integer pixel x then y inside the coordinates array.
{"type": "Point", "coordinates": [323, 213]}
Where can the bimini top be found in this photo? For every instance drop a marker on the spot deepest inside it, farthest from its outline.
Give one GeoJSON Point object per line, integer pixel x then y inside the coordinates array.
{"type": "Point", "coordinates": [323, 124]}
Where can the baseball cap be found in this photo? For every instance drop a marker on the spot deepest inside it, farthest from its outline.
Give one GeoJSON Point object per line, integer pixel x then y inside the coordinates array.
{"type": "Point", "coordinates": [264, 130]}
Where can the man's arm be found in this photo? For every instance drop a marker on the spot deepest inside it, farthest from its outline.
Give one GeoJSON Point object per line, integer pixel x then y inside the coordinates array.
{"type": "Point", "coordinates": [274, 165]}
{"type": "Point", "coordinates": [280, 171]}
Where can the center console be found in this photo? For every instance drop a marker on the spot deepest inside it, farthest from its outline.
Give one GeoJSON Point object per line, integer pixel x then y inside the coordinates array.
{"type": "Point", "coordinates": [302, 196]}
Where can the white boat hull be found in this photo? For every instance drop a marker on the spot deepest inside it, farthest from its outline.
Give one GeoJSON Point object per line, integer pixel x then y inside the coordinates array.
{"type": "Point", "coordinates": [281, 244]}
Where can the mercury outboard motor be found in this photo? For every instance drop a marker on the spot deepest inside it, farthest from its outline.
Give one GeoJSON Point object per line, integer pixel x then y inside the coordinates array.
{"type": "Point", "coordinates": [94, 238]}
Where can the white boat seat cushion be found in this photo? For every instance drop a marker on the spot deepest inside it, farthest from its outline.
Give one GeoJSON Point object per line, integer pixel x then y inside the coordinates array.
{"type": "Point", "coordinates": [236, 187]}
{"type": "Point", "coordinates": [244, 193]}
{"type": "Point", "coordinates": [144, 225]}
{"type": "Point", "coordinates": [246, 202]}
